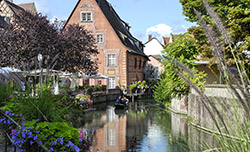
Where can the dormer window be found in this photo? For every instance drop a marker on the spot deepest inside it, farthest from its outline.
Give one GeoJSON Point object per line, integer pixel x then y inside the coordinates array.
{"type": "Point", "coordinates": [86, 16]}
{"type": "Point", "coordinates": [7, 19]}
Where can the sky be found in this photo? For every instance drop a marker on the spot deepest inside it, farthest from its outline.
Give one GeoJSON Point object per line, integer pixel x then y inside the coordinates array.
{"type": "Point", "coordinates": [156, 17]}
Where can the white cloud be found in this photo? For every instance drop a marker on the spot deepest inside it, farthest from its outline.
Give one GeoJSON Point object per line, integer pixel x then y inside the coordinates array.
{"type": "Point", "coordinates": [180, 29]}
{"type": "Point", "coordinates": [159, 30]}
{"type": "Point", "coordinates": [41, 5]}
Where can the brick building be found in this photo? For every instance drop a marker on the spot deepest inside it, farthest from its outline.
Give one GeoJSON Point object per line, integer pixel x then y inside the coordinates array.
{"type": "Point", "coordinates": [121, 56]}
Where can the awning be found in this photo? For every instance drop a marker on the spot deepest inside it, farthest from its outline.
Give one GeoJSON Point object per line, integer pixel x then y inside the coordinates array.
{"type": "Point", "coordinates": [9, 70]}
{"type": "Point", "coordinates": [94, 76]}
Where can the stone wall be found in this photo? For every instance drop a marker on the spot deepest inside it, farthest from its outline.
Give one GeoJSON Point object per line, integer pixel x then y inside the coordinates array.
{"type": "Point", "coordinates": [223, 99]}
{"type": "Point", "coordinates": [180, 105]}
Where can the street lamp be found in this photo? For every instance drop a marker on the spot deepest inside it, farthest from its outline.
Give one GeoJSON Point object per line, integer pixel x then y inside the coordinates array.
{"type": "Point", "coordinates": [40, 57]}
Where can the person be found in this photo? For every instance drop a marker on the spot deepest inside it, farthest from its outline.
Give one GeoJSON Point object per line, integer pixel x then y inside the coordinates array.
{"type": "Point", "coordinates": [118, 101]}
{"type": "Point", "coordinates": [122, 100]}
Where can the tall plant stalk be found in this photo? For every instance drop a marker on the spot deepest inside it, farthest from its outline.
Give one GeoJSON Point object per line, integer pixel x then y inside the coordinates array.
{"type": "Point", "coordinates": [237, 82]}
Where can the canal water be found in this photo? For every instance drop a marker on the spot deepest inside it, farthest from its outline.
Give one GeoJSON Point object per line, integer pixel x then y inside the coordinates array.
{"type": "Point", "coordinates": [143, 127]}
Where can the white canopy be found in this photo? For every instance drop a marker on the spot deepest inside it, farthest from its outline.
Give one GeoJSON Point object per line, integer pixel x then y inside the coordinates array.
{"type": "Point", "coordinates": [9, 70]}
{"type": "Point", "coordinates": [94, 76]}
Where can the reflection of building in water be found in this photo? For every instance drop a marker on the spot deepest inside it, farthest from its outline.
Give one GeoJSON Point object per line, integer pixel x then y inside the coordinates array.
{"type": "Point", "coordinates": [112, 137]}
{"type": "Point", "coordinates": [137, 126]}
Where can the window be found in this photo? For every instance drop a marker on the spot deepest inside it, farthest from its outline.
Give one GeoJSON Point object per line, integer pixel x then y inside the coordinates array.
{"type": "Point", "coordinates": [111, 83]}
{"type": "Point", "coordinates": [99, 82]}
{"type": "Point", "coordinates": [99, 38]}
{"type": "Point", "coordinates": [86, 17]}
{"type": "Point", "coordinates": [140, 64]}
{"type": "Point", "coordinates": [135, 63]}
{"type": "Point", "coordinates": [7, 19]}
{"type": "Point", "coordinates": [144, 64]}
{"type": "Point", "coordinates": [157, 71]}
{"type": "Point", "coordinates": [111, 60]}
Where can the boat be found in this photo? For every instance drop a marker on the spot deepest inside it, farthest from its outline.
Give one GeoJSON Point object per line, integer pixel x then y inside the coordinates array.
{"type": "Point", "coordinates": [120, 106]}
{"type": "Point", "coordinates": [124, 104]}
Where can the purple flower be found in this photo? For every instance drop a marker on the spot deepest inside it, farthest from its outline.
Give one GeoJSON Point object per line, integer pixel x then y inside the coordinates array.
{"type": "Point", "coordinates": [31, 142]}
{"type": "Point", "coordinates": [1, 120]}
{"type": "Point", "coordinates": [51, 149]}
{"type": "Point", "coordinates": [7, 112]}
{"type": "Point", "coordinates": [76, 148]}
{"type": "Point", "coordinates": [35, 138]}
{"type": "Point", "coordinates": [29, 134]}
{"type": "Point", "coordinates": [11, 96]}
{"type": "Point", "coordinates": [23, 135]}
{"type": "Point", "coordinates": [61, 140]}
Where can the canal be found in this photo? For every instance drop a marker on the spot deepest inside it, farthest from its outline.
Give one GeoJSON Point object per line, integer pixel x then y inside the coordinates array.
{"type": "Point", "coordinates": [143, 127]}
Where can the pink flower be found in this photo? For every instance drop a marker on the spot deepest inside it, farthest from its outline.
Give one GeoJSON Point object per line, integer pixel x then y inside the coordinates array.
{"type": "Point", "coordinates": [81, 134]}
{"type": "Point", "coordinates": [11, 96]}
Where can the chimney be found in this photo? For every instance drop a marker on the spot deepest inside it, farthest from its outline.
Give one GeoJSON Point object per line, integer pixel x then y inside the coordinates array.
{"type": "Point", "coordinates": [149, 37]}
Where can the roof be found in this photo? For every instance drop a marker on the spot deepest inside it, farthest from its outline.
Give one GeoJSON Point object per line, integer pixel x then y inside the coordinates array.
{"type": "Point", "coordinates": [157, 57]}
{"type": "Point", "coordinates": [166, 40]}
{"type": "Point", "coordinates": [202, 62]}
{"type": "Point", "coordinates": [170, 39]}
{"type": "Point", "coordinates": [120, 27]}
{"type": "Point", "coordinates": [29, 7]}
{"type": "Point", "coordinates": [15, 8]}
{"type": "Point", "coordinates": [151, 40]}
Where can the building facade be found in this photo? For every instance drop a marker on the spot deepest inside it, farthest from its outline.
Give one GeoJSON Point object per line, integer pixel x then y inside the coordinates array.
{"type": "Point", "coordinates": [8, 10]}
{"type": "Point", "coordinates": [153, 49]}
{"type": "Point", "coordinates": [121, 56]}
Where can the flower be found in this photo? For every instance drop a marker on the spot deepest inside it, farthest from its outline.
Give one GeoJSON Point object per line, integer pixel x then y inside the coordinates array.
{"type": "Point", "coordinates": [11, 96]}
{"type": "Point", "coordinates": [81, 134]}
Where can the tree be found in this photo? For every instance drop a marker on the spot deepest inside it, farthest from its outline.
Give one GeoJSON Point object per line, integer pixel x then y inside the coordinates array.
{"type": "Point", "coordinates": [235, 17]}
{"type": "Point", "coordinates": [30, 35]}
{"type": "Point", "coordinates": [181, 52]}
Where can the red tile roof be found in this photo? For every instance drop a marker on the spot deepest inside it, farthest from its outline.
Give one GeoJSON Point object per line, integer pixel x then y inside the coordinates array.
{"type": "Point", "coordinates": [166, 40]}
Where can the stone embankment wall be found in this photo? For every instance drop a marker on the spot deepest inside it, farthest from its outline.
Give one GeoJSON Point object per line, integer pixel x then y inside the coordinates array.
{"type": "Point", "coordinates": [180, 105]}
{"type": "Point", "coordinates": [222, 98]}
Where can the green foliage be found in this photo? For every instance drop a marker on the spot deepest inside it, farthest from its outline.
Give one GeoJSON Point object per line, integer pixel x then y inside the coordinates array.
{"type": "Point", "coordinates": [137, 85]}
{"type": "Point", "coordinates": [5, 92]}
{"type": "Point", "coordinates": [235, 17]}
{"type": "Point", "coordinates": [45, 107]}
{"type": "Point", "coordinates": [97, 88]}
{"type": "Point", "coordinates": [171, 84]}
{"type": "Point", "coordinates": [54, 135]}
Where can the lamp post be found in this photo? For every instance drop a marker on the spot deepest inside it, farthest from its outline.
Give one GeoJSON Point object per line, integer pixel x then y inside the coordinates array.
{"type": "Point", "coordinates": [40, 59]}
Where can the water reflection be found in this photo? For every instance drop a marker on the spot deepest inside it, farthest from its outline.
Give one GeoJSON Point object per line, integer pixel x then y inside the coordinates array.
{"type": "Point", "coordinates": [141, 128]}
